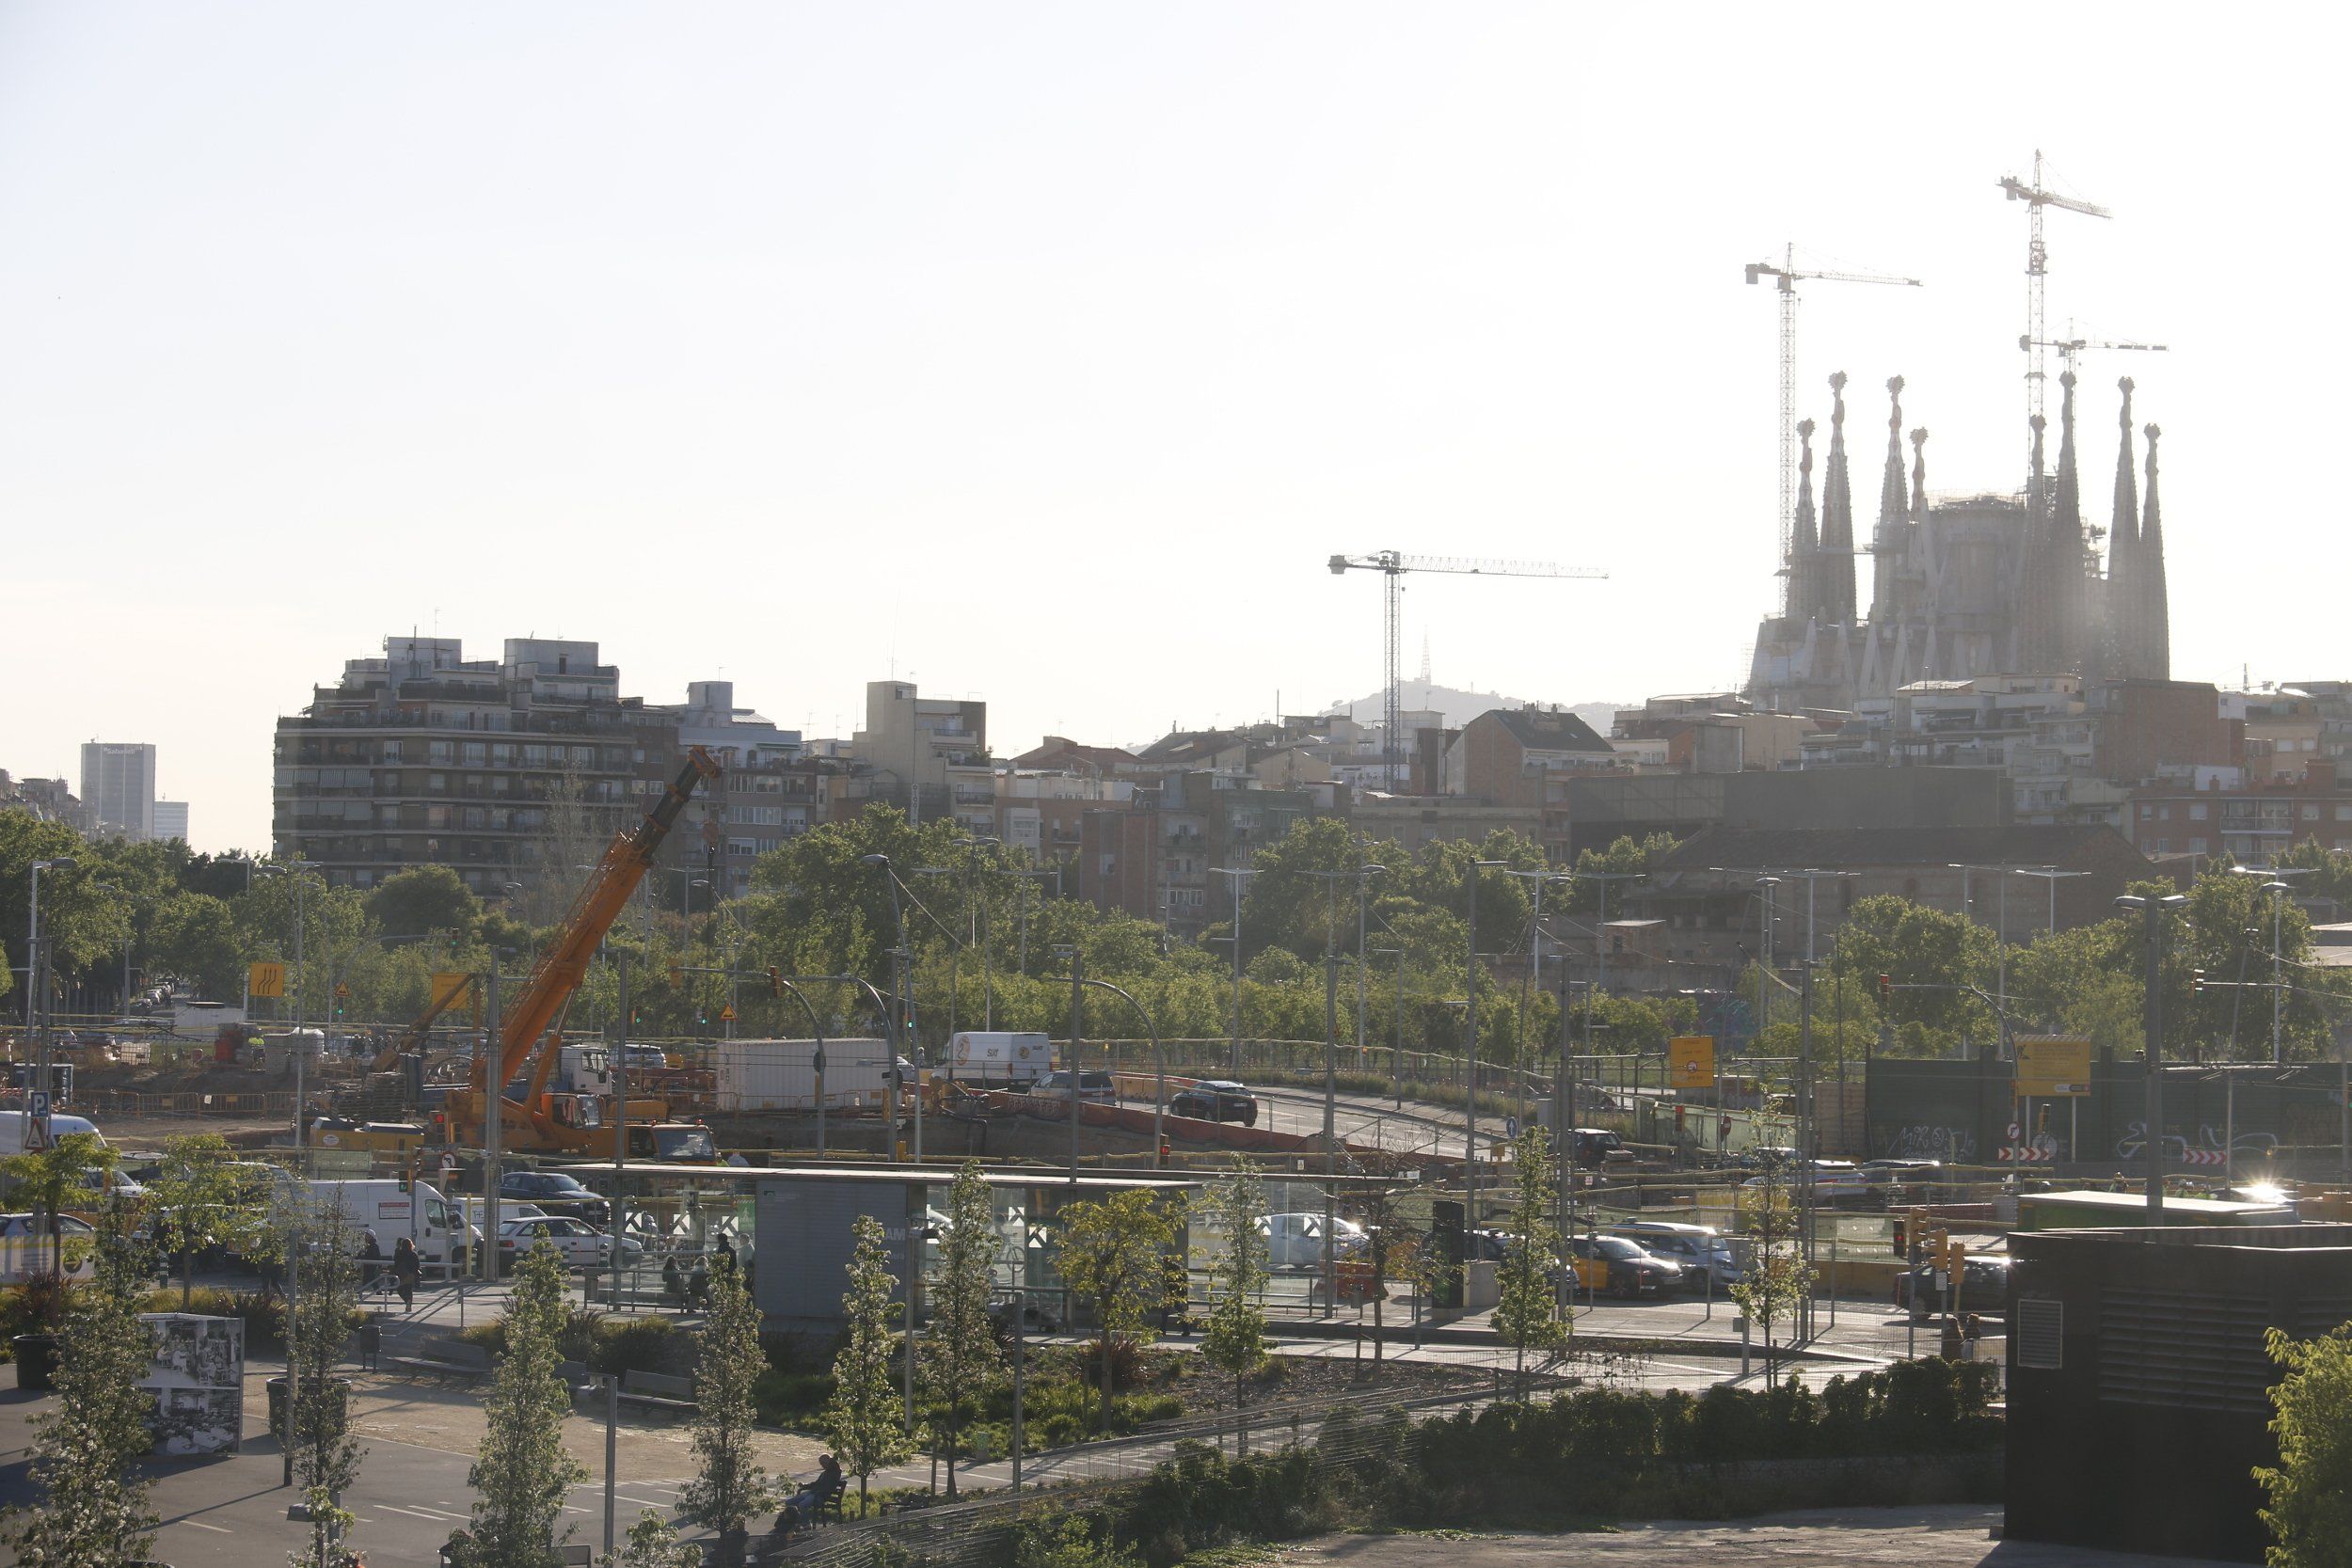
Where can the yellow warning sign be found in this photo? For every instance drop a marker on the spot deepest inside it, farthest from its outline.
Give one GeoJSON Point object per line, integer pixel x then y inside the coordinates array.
{"type": "Point", "coordinates": [2052, 1067]}
{"type": "Point", "coordinates": [726, 1015]}
{"type": "Point", "coordinates": [451, 989]}
{"type": "Point", "coordinates": [1692, 1059]}
{"type": "Point", "coordinates": [266, 979]}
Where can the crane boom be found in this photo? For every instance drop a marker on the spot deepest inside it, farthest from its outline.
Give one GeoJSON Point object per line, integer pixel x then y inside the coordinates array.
{"type": "Point", "coordinates": [1786, 275]}
{"type": "Point", "coordinates": [560, 968]}
{"type": "Point", "coordinates": [2036, 197]}
{"type": "Point", "coordinates": [1393, 564]}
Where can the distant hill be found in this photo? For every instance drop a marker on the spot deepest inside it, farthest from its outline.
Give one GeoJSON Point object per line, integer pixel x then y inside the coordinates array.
{"type": "Point", "coordinates": [1461, 707]}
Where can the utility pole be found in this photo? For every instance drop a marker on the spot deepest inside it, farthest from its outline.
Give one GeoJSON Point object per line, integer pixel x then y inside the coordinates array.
{"type": "Point", "coordinates": [493, 1127]}
{"type": "Point", "coordinates": [1233, 888]}
{"type": "Point", "coordinates": [1330, 1129]}
{"type": "Point", "coordinates": [620, 1160]}
{"type": "Point", "coordinates": [2155, 912]}
{"type": "Point", "coordinates": [1396, 1040]}
{"type": "Point", "coordinates": [1077, 1024]}
{"type": "Point", "coordinates": [1469, 1060]}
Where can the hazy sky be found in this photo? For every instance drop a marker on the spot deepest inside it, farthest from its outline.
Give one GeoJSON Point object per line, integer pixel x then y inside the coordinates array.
{"type": "Point", "coordinates": [1045, 351]}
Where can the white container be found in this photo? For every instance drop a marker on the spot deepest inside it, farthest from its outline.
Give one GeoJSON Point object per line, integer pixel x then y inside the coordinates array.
{"type": "Point", "coordinates": [781, 1075]}
{"type": "Point", "coordinates": [1000, 1056]}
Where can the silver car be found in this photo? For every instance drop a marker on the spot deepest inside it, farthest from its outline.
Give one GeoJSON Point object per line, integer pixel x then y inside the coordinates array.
{"type": "Point", "coordinates": [1704, 1253]}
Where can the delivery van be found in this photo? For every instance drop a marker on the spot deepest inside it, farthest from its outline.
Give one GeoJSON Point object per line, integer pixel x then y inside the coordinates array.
{"type": "Point", "coordinates": [439, 1229]}
{"type": "Point", "coordinates": [1000, 1056]}
{"type": "Point", "coordinates": [12, 1129]}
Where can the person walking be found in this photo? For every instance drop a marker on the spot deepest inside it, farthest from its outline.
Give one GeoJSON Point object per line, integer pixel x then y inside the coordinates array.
{"type": "Point", "coordinates": [406, 1266]}
{"type": "Point", "coordinates": [371, 1258]}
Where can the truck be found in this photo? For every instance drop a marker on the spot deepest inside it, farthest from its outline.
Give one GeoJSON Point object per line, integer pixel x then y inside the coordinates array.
{"type": "Point", "coordinates": [999, 1056]}
{"type": "Point", "coordinates": [781, 1075]}
{"type": "Point", "coordinates": [438, 1227]}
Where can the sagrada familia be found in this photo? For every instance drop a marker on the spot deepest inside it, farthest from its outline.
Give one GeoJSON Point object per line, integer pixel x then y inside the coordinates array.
{"type": "Point", "coordinates": [1981, 585]}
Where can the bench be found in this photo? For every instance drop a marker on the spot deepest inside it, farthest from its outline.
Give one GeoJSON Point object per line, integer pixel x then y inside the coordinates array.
{"type": "Point", "coordinates": [672, 1395]}
{"type": "Point", "coordinates": [442, 1358]}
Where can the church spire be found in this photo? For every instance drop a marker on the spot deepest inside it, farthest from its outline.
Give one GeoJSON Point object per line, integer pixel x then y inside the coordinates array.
{"type": "Point", "coordinates": [2127, 629]}
{"type": "Point", "coordinates": [2037, 591]}
{"type": "Point", "coordinates": [1894, 507]}
{"type": "Point", "coordinates": [2156, 605]}
{"type": "Point", "coordinates": [1836, 558]}
{"type": "Point", "coordinates": [2073, 644]}
{"type": "Point", "coordinates": [1804, 554]}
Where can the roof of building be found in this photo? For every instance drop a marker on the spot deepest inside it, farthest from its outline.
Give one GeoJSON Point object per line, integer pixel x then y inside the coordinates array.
{"type": "Point", "coordinates": [1059, 751]}
{"type": "Point", "coordinates": [1184, 745]}
{"type": "Point", "coordinates": [2018, 845]}
{"type": "Point", "coordinates": [1545, 730]}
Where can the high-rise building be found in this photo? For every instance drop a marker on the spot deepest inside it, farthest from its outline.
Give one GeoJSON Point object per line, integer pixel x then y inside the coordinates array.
{"type": "Point", "coordinates": [118, 787]}
{"type": "Point", "coordinates": [171, 821]}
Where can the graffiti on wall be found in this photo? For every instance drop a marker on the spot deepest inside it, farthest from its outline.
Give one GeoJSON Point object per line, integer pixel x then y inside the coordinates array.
{"type": "Point", "coordinates": [1924, 1141]}
{"type": "Point", "coordinates": [2211, 1146]}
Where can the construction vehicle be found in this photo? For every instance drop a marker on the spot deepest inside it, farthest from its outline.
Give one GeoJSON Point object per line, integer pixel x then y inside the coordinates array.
{"type": "Point", "coordinates": [547, 1119]}
{"type": "Point", "coordinates": [448, 991]}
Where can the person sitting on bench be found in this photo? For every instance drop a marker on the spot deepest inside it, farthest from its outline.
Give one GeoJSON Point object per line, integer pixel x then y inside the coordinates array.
{"type": "Point", "coordinates": [803, 1506]}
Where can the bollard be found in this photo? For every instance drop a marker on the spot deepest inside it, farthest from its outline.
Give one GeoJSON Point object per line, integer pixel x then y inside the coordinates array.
{"type": "Point", "coordinates": [1741, 1323]}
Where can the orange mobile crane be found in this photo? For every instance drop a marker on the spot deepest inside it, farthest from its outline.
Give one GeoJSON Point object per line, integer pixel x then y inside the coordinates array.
{"type": "Point", "coordinates": [572, 1123]}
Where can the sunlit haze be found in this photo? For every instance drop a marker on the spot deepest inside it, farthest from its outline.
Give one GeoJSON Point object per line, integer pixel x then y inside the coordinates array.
{"type": "Point", "coordinates": [1042, 354]}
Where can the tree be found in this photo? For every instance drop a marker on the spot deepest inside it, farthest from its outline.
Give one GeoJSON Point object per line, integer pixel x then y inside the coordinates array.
{"type": "Point", "coordinates": [48, 1181]}
{"type": "Point", "coordinates": [653, 1543]}
{"type": "Point", "coordinates": [193, 937]}
{"type": "Point", "coordinates": [730, 1485]}
{"type": "Point", "coordinates": [2309, 1489]}
{"type": "Point", "coordinates": [1400, 1255]}
{"type": "Point", "coordinates": [1234, 1340]}
{"type": "Point", "coordinates": [194, 1196]}
{"type": "Point", "coordinates": [961, 1356]}
{"type": "Point", "coordinates": [1527, 1310]}
{"type": "Point", "coordinates": [424, 899]}
{"type": "Point", "coordinates": [1110, 1256]}
{"type": "Point", "coordinates": [326, 1307]}
{"type": "Point", "coordinates": [521, 1471]}
{"type": "Point", "coordinates": [1776, 1278]}
{"type": "Point", "coordinates": [862, 1420]}
{"type": "Point", "coordinates": [87, 1453]}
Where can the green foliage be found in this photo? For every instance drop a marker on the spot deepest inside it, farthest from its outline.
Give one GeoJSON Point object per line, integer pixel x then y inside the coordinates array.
{"type": "Point", "coordinates": [1068, 1541]}
{"type": "Point", "coordinates": [652, 1542]}
{"type": "Point", "coordinates": [521, 1472]}
{"type": "Point", "coordinates": [50, 1180]}
{"type": "Point", "coordinates": [729, 1483]}
{"type": "Point", "coordinates": [324, 1310]}
{"type": "Point", "coordinates": [424, 899]}
{"type": "Point", "coordinates": [1112, 1252]}
{"type": "Point", "coordinates": [862, 1420]}
{"type": "Point", "coordinates": [2310, 1490]}
{"type": "Point", "coordinates": [1527, 1312]}
{"type": "Point", "coordinates": [1235, 1341]}
{"type": "Point", "coordinates": [85, 1453]}
{"type": "Point", "coordinates": [962, 1359]}
{"type": "Point", "coordinates": [1776, 1280]}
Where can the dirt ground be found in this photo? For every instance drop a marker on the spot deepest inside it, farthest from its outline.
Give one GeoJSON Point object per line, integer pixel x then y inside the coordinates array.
{"type": "Point", "coordinates": [1957, 1536]}
{"type": "Point", "coordinates": [451, 1418]}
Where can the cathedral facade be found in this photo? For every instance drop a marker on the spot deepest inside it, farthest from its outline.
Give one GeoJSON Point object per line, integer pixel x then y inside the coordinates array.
{"type": "Point", "coordinates": [1965, 586]}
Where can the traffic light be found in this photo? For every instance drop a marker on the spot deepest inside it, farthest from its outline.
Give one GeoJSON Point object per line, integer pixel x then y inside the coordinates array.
{"type": "Point", "coordinates": [1886, 988]}
{"type": "Point", "coordinates": [677, 976]}
{"type": "Point", "coordinates": [775, 981]}
{"type": "Point", "coordinates": [2197, 982]}
{"type": "Point", "coordinates": [1903, 1238]}
{"type": "Point", "coordinates": [408, 1176]}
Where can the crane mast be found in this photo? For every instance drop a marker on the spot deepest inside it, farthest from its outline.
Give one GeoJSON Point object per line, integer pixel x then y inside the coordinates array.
{"type": "Point", "coordinates": [2036, 197]}
{"type": "Point", "coordinates": [1393, 565]}
{"type": "Point", "coordinates": [1785, 279]}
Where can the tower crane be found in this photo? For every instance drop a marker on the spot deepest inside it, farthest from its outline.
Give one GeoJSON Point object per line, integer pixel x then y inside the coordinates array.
{"type": "Point", "coordinates": [1393, 564]}
{"type": "Point", "coordinates": [1786, 277]}
{"type": "Point", "coordinates": [2036, 197]}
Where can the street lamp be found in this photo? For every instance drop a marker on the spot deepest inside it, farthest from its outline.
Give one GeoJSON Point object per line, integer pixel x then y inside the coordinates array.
{"type": "Point", "coordinates": [1397, 1044]}
{"type": "Point", "coordinates": [1470, 1059]}
{"type": "Point", "coordinates": [130, 912]}
{"type": "Point", "coordinates": [972, 845]}
{"type": "Point", "coordinates": [2154, 910]}
{"type": "Point", "coordinates": [301, 1045]}
{"type": "Point", "coordinates": [2052, 876]}
{"type": "Point", "coordinates": [2278, 892]}
{"type": "Point", "coordinates": [1233, 890]}
{"type": "Point", "coordinates": [37, 998]}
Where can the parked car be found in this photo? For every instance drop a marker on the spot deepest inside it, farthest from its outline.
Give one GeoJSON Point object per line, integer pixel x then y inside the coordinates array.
{"type": "Point", "coordinates": [1296, 1240]}
{"type": "Point", "coordinates": [1984, 1286]}
{"type": "Point", "coordinates": [583, 1245]}
{"type": "Point", "coordinates": [1593, 1147]}
{"type": "Point", "coordinates": [1215, 1100]}
{"type": "Point", "coordinates": [1700, 1251]}
{"type": "Point", "coordinates": [1628, 1270]}
{"type": "Point", "coordinates": [1094, 1087]}
{"type": "Point", "coordinates": [24, 1247]}
{"type": "Point", "coordinates": [556, 1193]}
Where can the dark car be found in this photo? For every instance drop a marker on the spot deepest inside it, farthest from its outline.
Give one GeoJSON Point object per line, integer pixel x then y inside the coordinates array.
{"type": "Point", "coordinates": [555, 1193]}
{"type": "Point", "coordinates": [1630, 1271]}
{"type": "Point", "coordinates": [1215, 1100]}
{"type": "Point", "coordinates": [1984, 1286]}
{"type": "Point", "coordinates": [1594, 1146]}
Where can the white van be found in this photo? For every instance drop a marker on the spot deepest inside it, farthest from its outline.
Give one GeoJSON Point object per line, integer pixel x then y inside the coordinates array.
{"type": "Point", "coordinates": [442, 1234]}
{"type": "Point", "coordinates": [13, 1125]}
{"type": "Point", "coordinates": [1000, 1056]}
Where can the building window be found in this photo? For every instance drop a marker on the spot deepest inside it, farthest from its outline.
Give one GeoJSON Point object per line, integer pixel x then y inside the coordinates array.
{"type": "Point", "coordinates": [2197, 847]}
{"type": "Point", "coordinates": [2310, 814]}
{"type": "Point", "coordinates": [2343, 813]}
{"type": "Point", "coordinates": [2146, 811]}
{"type": "Point", "coordinates": [2197, 811]}
{"type": "Point", "coordinates": [477, 751]}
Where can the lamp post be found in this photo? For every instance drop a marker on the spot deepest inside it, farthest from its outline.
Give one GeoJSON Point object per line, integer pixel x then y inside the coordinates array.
{"type": "Point", "coordinates": [1396, 1041]}
{"type": "Point", "coordinates": [2155, 912]}
{"type": "Point", "coordinates": [301, 1046]}
{"type": "Point", "coordinates": [901, 1010]}
{"type": "Point", "coordinates": [1469, 1060]}
{"type": "Point", "coordinates": [880, 1006]}
{"type": "Point", "coordinates": [2052, 876]}
{"type": "Point", "coordinates": [1763, 997]}
{"type": "Point", "coordinates": [37, 1002]}
{"type": "Point", "coordinates": [1233, 889]}
{"type": "Point", "coordinates": [972, 847]}
{"type": "Point", "coordinates": [2278, 892]}
{"type": "Point", "coordinates": [130, 914]}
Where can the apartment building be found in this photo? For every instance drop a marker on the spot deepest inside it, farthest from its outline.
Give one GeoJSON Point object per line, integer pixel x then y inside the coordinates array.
{"type": "Point", "coordinates": [2250, 821]}
{"type": "Point", "coordinates": [929, 753]}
